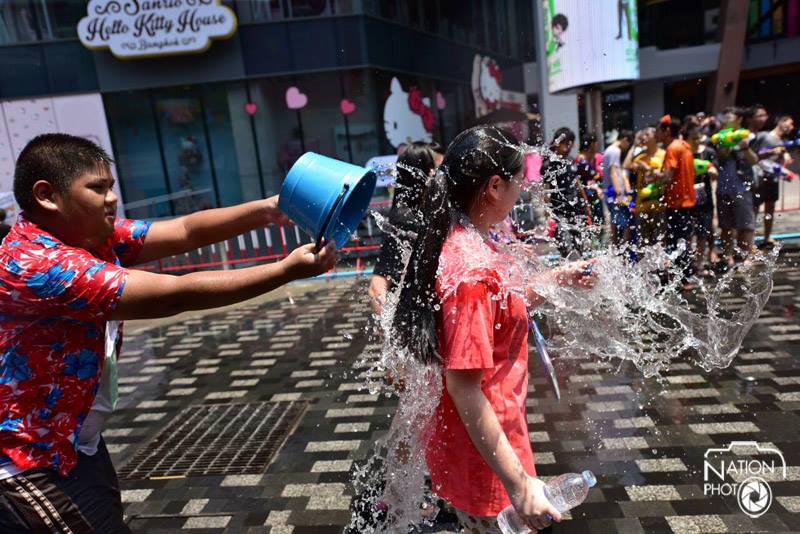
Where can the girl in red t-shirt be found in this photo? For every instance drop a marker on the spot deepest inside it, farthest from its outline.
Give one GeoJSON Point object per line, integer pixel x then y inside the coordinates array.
{"type": "Point", "coordinates": [464, 305]}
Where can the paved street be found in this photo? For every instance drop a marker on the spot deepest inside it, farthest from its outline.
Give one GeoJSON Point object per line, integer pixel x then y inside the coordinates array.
{"type": "Point", "coordinates": [644, 440]}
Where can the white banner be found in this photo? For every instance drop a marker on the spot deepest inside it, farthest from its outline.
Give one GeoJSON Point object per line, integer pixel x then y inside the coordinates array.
{"type": "Point", "coordinates": [149, 28]}
{"type": "Point", "coordinates": [589, 42]}
{"type": "Point", "coordinates": [22, 120]}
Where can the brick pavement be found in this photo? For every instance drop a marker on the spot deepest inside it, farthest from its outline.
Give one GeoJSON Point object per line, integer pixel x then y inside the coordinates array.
{"type": "Point", "coordinates": [644, 440]}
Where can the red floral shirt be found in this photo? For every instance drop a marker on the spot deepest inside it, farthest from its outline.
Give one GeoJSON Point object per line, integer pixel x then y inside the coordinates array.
{"type": "Point", "coordinates": [54, 303]}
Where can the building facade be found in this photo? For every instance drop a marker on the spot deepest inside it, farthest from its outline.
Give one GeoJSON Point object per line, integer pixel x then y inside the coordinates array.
{"type": "Point", "coordinates": [346, 78]}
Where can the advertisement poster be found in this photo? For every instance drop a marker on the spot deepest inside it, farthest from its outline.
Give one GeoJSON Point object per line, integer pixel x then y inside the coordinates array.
{"type": "Point", "coordinates": [590, 42]}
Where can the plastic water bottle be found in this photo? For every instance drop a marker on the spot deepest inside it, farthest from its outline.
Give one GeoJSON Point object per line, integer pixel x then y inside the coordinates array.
{"type": "Point", "coordinates": [564, 492]}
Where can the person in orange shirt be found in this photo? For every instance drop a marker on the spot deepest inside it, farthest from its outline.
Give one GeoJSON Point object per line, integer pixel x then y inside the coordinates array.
{"type": "Point", "coordinates": [679, 194]}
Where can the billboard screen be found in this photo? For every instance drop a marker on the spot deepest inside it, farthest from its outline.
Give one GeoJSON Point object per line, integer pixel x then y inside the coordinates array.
{"type": "Point", "coordinates": [590, 42]}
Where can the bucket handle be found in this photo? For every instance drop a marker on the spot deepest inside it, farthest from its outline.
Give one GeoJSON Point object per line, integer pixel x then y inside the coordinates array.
{"type": "Point", "coordinates": [328, 217]}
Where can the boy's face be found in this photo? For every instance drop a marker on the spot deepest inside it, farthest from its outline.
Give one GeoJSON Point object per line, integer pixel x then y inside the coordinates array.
{"type": "Point", "coordinates": [731, 120]}
{"type": "Point", "coordinates": [88, 208]}
{"type": "Point", "coordinates": [558, 30]}
{"type": "Point", "coordinates": [786, 126]}
{"type": "Point", "coordinates": [694, 139]}
{"type": "Point", "coordinates": [564, 148]}
{"type": "Point", "coordinates": [759, 118]}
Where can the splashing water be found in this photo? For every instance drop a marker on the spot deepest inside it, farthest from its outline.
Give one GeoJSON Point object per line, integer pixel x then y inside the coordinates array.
{"type": "Point", "coordinates": [635, 312]}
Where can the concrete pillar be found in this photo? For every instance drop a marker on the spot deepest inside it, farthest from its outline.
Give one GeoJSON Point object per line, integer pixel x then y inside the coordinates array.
{"type": "Point", "coordinates": [648, 102]}
{"type": "Point", "coordinates": [733, 23]}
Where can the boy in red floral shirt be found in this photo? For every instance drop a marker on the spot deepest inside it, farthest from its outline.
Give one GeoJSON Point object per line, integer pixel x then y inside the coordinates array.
{"type": "Point", "coordinates": [65, 287]}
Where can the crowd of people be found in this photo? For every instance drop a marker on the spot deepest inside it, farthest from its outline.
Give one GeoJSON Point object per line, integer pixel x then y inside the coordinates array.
{"type": "Point", "coordinates": [665, 183]}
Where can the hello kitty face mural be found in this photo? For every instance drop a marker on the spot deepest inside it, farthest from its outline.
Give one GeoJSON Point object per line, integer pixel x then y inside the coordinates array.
{"type": "Point", "coordinates": [487, 80]}
{"type": "Point", "coordinates": [407, 116]}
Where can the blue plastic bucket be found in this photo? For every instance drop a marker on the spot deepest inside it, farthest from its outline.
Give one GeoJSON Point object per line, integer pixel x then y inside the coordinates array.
{"type": "Point", "coordinates": [326, 197]}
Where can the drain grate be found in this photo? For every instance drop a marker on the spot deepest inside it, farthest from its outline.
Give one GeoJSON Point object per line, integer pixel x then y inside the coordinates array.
{"type": "Point", "coordinates": [217, 439]}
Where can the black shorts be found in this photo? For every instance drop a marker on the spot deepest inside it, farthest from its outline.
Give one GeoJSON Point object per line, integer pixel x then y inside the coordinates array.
{"type": "Point", "coordinates": [735, 212]}
{"type": "Point", "coordinates": [85, 501]}
{"type": "Point", "coordinates": [769, 190]}
{"type": "Point", "coordinates": [703, 220]}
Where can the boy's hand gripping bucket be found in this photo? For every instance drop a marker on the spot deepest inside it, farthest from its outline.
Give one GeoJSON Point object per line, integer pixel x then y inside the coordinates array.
{"type": "Point", "coordinates": [326, 197]}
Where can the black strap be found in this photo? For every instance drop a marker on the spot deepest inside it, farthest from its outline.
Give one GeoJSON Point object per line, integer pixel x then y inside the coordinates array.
{"type": "Point", "coordinates": [328, 217]}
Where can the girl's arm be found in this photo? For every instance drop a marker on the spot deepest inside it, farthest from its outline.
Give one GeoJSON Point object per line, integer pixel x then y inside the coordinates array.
{"type": "Point", "coordinates": [526, 493]}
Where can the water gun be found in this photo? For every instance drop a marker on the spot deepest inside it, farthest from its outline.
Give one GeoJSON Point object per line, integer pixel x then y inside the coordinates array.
{"type": "Point", "coordinates": [650, 191]}
{"type": "Point", "coordinates": [702, 166]}
{"type": "Point", "coordinates": [789, 143]}
{"type": "Point", "coordinates": [611, 196]}
{"type": "Point", "coordinates": [774, 169]}
{"type": "Point", "coordinates": [730, 138]}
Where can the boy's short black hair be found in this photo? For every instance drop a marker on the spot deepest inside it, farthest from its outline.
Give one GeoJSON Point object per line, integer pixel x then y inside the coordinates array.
{"type": "Point", "coordinates": [750, 111]}
{"type": "Point", "coordinates": [57, 158]}
{"type": "Point", "coordinates": [560, 20]}
{"type": "Point", "coordinates": [625, 134]}
{"type": "Point", "coordinates": [436, 147]}
{"type": "Point", "coordinates": [588, 140]}
{"type": "Point", "coordinates": [563, 135]}
{"type": "Point", "coordinates": [739, 112]}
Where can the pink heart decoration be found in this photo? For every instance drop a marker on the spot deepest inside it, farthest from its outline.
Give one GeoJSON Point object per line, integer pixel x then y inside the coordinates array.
{"type": "Point", "coordinates": [441, 103]}
{"type": "Point", "coordinates": [295, 99]}
{"type": "Point", "coordinates": [251, 108]}
{"type": "Point", "coordinates": [347, 106]}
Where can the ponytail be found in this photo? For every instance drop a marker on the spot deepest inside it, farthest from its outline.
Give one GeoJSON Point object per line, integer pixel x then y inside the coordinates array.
{"type": "Point", "coordinates": [414, 324]}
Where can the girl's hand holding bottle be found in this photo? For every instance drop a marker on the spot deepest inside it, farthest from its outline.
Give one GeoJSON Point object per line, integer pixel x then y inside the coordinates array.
{"type": "Point", "coordinates": [532, 505]}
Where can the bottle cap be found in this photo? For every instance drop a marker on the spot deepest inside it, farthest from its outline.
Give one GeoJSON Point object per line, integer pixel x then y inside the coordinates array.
{"type": "Point", "coordinates": [588, 476]}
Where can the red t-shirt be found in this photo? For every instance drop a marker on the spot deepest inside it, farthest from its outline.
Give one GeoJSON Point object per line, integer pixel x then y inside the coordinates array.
{"type": "Point", "coordinates": [679, 191]}
{"type": "Point", "coordinates": [481, 326]}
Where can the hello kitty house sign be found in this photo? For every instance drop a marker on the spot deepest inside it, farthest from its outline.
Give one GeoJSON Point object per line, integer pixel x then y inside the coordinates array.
{"type": "Point", "coordinates": [148, 28]}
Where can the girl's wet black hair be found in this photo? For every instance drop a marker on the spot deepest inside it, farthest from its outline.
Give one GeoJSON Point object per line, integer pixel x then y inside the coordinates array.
{"type": "Point", "coordinates": [414, 167]}
{"type": "Point", "coordinates": [473, 157]}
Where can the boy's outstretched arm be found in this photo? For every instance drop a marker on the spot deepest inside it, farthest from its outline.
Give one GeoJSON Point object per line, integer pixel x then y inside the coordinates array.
{"type": "Point", "coordinates": [190, 232]}
{"type": "Point", "coordinates": [148, 295]}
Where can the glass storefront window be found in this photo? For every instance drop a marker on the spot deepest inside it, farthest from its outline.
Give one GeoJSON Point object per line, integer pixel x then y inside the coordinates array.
{"type": "Point", "coordinates": [24, 21]}
{"type": "Point", "coordinates": [186, 150]}
{"type": "Point", "coordinates": [182, 149]}
{"type": "Point", "coordinates": [273, 10]}
{"type": "Point", "coordinates": [18, 22]}
{"type": "Point", "coordinates": [137, 152]}
{"type": "Point", "coordinates": [283, 134]}
{"type": "Point", "coordinates": [223, 120]}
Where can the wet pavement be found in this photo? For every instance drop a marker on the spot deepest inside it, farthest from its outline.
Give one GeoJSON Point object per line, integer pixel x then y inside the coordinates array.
{"type": "Point", "coordinates": [643, 439]}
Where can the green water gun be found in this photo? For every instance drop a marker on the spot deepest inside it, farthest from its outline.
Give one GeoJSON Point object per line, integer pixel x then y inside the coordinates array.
{"type": "Point", "coordinates": [702, 166]}
{"type": "Point", "coordinates": [729, 138]}
{"type": "Point", "coordinates": [650, 191]}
